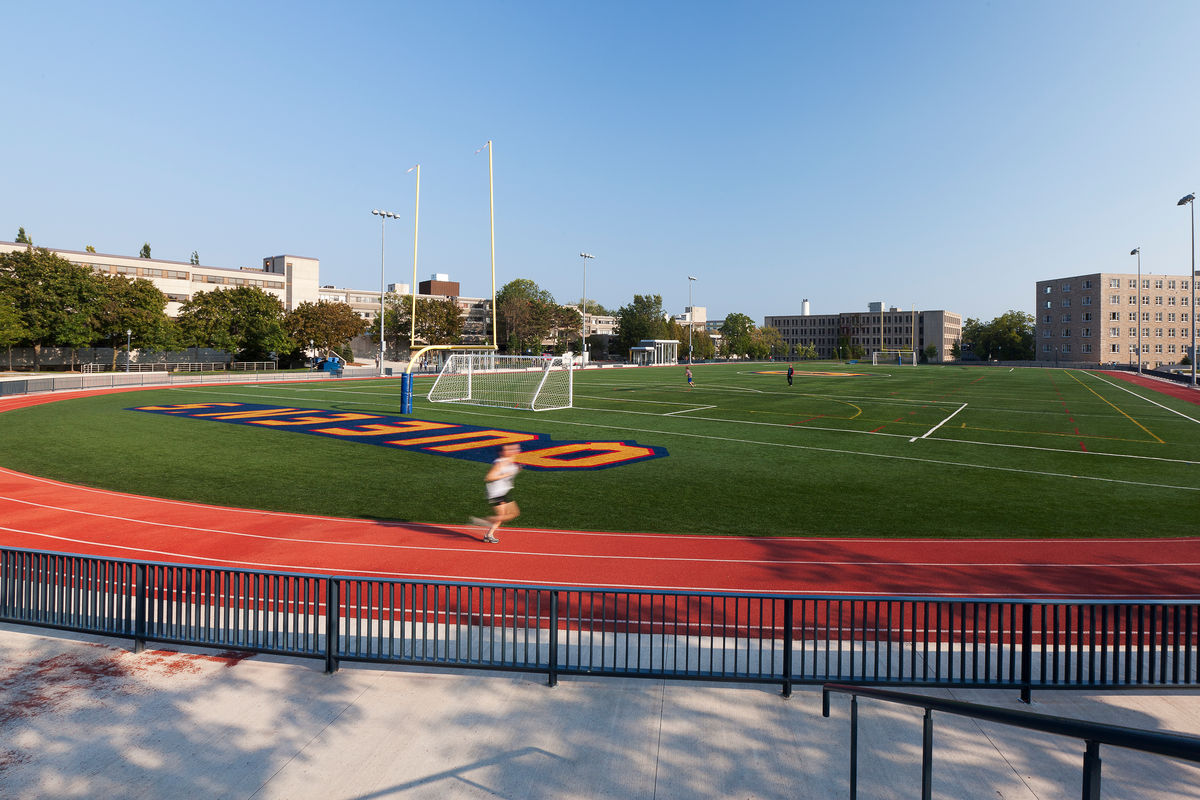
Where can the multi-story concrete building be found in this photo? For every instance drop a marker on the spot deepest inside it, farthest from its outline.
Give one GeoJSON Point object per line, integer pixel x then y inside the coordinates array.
{"type": "Point", "coordinates": [876, 329]}
{"type": "Point", "coordinates": [1098, 318]}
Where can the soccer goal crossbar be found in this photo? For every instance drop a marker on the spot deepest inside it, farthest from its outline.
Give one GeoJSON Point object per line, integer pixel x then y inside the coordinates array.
{"type": "Point", "coordinates": [537, 383]}
{"type": "Point", "coordinates": [898, 357]}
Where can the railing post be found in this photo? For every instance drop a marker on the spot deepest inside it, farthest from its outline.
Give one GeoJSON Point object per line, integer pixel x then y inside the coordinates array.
{"type": "Point", "coordinates": [141, 608]}
{"type": "Point", "coordinates": [1091, 771]}
{"type": "Point", "coordinates": [552, 667]}
{"type": "Point", "coordinates": [1027, 653]}
{"type": "Point", "coordinates": [853, 747]}
{"type": "Point", "coordinates": [332, 625]}
{"type": "Point", "coordinates": [788, 615]}
{"type": "Point", "coordinates": [927, 756]}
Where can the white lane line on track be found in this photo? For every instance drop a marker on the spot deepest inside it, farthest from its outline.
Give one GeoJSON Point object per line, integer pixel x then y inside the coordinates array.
{"type": "Point", "coordinates": [555, 531]}
{"type": "Point", "coordinates": [1115, 385]}
{"type": "Point", "coordinates": [596, 556]}
{"type": "Point", "coordinates": [323, 570]}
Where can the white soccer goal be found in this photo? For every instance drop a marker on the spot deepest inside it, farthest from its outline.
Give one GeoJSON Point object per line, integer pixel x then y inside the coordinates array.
{"type": "Point", "coordinates": [897, 357]}
{"type": "Point", "coordinates": [539, 383]}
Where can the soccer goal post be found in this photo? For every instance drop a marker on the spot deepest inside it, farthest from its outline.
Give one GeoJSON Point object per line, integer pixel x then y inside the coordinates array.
{"type": "Point", "coordinates": [538, 383]}
{"type": "Point", "coordinates": [898, 357]}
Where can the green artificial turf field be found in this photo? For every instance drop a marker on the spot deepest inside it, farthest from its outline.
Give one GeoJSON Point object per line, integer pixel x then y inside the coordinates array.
{"type": "Point", "coordinates": [849, 450]}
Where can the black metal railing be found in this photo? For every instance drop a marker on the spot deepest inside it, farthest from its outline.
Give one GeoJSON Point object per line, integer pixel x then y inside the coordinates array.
{"type": "Point", "coordinates": [1094, 734]}
{"type": "Point", "coordinates": [758, 638]}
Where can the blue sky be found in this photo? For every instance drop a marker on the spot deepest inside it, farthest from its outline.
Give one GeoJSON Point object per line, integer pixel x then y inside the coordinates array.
{"type": "Point", "coordinates": [929, 154]}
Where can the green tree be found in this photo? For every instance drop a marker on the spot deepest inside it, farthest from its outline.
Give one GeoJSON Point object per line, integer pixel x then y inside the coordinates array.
{"type": "Point", "coordinates": [195, 259]}
{"type": "Point", "coordinates": [54, 299]}
{"type": "Point", "coordinates": [329, 325]}
{"type": "Point", "coordinates": [703, 347]}
{"type": "Point", "coordinates": [956, 349]}
{"type": "Point", "coordinates": [930, 353]}
{"type": "Point", "coordinates": [12, 330]}
{"type": "Point", "coordinates": [641, 319]}
{"type": "Point", "coordinates": [737, 332]}
{"type": "Point", "coordinates": [245, 321]}
{"type": "Point", "coordinates": [1008, 337]}
{"type": "Point", "coordinates": [439, 321]}
{"type": "Point", "coordinates": [525, 313]}
{"type": "Point", "coordinates": [22, 237]}
{"type": "Point", "coordinates": [90, 249]}
{"type": "Point", "coordinates": [131, 305]}
{"type": "Point", "coordinates": [145, 250]}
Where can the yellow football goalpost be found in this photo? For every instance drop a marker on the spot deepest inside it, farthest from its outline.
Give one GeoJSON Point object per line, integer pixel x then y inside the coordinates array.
{"type": "Point", "coordinates": [406, 382]}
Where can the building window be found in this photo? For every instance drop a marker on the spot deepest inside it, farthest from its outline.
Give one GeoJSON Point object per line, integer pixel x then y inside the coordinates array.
{"type": "Point", "coordinates": [1158, 316]}
{"type": "Point", "coordinates": [1114, 283]}
{"type": "Point", "coordinates": [1114, 315]}
{"type": "Point", "coordinates": [1066, 317]}
{"type": "Point", "coordinates": [1132, 300]}
{"type": "Point", "coordinates": [1066, 348]}
{"type": "Point", "coordinates": [1046, 319]}
{"type": "Point", "coordinates": [1158, 300]}
{"type": "Point", "coordinates": [1158, 332]}
{"type": "Point", "coordinates": [1087, 284]}
{"type": "Point", "coordinates": [1047, 290]}
{"type": "Point", "coordinates": [1066, 287]}
{"type": "Point", "coordinates": [1171, 300]}
{"type": "Point", "coordinates": [1045, 348]}
{"type": "Point", "coordinates": [1087, 316]}
{"type": "Point", "coordinates": [1145, 283]}
{"type": "Point", "coordinates": [1132, 283]}
{"type": "Point", "coordinates": [1066, 303]}
{"type": "Point", "coordinates": [1114, 348]}
{"type": "Point", "coordinates": [1113, 299]}
{"type": "Point", "coordinates": [1171, 332]}
{"type": "Point", "coordinates": [1066, 333]}
{"type": "Point", "coordinates": [1132, 332]}
{"type": "Point", "coordinates": [1087, 301]}
{"type": "Point", "coordinates": [1049, 304]}
{"type": "Point", "coordinates": [1114, 331]}
{"type": "Point", "coordinates": [1086, 333]}
{"type": "Point", "coordinates": [1158, 348]}
{"type": "Point", "coordinates": [1046, 333]}
{"type": "Point", "coordinates": [1170, 348]}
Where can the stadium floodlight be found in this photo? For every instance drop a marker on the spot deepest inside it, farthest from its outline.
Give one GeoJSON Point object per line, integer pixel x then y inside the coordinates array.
{"type": "Point", "coordinates": [128, 347]}
{"type": "Point", "coordinates": [691, 318]}
{"type": "Point", "coordinates": [583, 312]}
{"type": "Point", "coordinates": [1190, 200]}
{"type": "Point", "coordinates": [1137, 251]}
{"type": "Point", "coordinates": [384, 216]}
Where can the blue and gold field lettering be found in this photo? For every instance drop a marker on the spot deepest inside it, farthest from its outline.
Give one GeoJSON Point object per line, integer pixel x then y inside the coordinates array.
{"type": "Point", "coordinates": [538, 451]}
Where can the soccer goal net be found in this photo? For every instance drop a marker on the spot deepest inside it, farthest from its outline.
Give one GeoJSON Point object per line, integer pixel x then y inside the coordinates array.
{"type": "Point", "coordinates": [539, 383]}
{"type": "Point", "coordinates": [898, 357]}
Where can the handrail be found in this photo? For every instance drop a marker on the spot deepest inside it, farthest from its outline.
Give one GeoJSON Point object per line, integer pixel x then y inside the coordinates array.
{"type": "Point", "coordinates": [1172, 745]}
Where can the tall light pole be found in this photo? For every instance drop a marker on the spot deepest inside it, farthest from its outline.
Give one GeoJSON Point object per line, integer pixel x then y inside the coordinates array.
{"type": "Point", "coordinates": [1137, 251]}
{"type": "Point", "coordinates": [583, 311]}
{"type": "Point", "coordinates": [384, 216]}
{"type": "Point", "coordinates": [691, 319]}
{"type": "Point", "coordinates": [129, 345]}
{"type": "Point", "coordinates": [1191, 201]}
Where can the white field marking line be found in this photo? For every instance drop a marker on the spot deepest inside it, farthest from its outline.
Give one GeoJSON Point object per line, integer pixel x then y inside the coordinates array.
{"type": "Point", "coordinates": [1089, 453]}
{"type": "Point", "coordinates": [308, 568]}
{"type": "Point", "coordinates": [940, 424]}
{"type": "Point", "coordinates": [837, 451]}
{"type": "Point", "coordinates": [635, 400]}
{"type": "Point", "coordinates": [596, 556]}
{"type": "Point", "coordinates": [1142, 397]}
{"type": "Point", "coordinates": [688, 410]}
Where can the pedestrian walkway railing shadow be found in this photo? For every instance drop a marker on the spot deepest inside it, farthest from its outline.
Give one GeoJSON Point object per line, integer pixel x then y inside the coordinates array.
{"type": "Point", "coordinates": [460, 773]}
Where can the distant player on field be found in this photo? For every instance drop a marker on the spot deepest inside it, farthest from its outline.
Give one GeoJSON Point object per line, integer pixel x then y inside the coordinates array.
{"type": "Point", "coordinates": [688, 372]}
{"type": "Point", "coordinates": [791, 372]}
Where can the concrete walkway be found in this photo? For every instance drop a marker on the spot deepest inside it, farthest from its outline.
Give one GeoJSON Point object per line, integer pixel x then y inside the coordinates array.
{"type": "Point", "coordinates": [84, 717]}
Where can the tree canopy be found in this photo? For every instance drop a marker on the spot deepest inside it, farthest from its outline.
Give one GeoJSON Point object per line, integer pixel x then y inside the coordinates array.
{"type": "Point", "coordinates": [329, 325]}
{"type": "Point", "coordinates": [1008, 337]}
{"type": "Point", "coordinates": [244, 320]}
{"type": "Point", "coordinates": [737, 333]}
{"type": "Point", "coordinates": [525, 314]}
{"type": "Point", "coordinates": [641, 319]}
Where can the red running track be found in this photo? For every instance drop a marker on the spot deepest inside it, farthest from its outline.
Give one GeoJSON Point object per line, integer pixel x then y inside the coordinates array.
{"type": "Point", "coordinates": [43, 514]}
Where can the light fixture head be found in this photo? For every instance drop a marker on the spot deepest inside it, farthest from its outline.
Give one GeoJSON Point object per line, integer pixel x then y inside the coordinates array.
{"type": "Point", "coordinates": [586, 255]}
{"type": "Point", "coordinates": [375, 211]}
{"type": "Point", "coordinates": [691, 277]}
{"type": "Point", "coordinates": [1135, 251]}
{"type": "Point", "coordinates": [1183, 201]}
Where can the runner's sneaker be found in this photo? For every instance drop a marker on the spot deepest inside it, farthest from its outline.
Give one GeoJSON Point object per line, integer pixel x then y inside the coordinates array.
{"type": "Point", "coordinates": [491, 539]}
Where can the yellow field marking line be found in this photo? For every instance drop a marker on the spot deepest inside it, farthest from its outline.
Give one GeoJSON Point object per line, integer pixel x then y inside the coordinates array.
{"type": "Point", "coordinates": [1088, 436]}
{"type": "Point", "coordinates": [1102, 397]}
